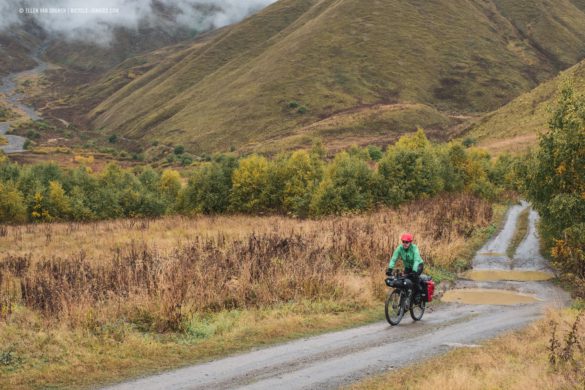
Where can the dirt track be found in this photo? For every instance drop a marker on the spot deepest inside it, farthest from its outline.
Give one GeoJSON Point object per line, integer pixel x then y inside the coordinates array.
{"type": "Point", "coordinates": [335, 359]}
{"type": "Point", "coordinates": [8, 89]}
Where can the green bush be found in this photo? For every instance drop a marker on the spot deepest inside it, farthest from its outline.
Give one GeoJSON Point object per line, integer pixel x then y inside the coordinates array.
{"type": "Point", "coordinates": [409, 170]}
{"type": "Point", "coordinates": [249, 183]}
{"type": "Point", "coordinates": [375, 152]}
{"type": "Point", "coordinates": [208, 190]}
{"type": "Point", "coordinates": [12, 206]}
{"type": "Point", "coordinates": [347, 186]}
{"type": "Point", "coordinates": [555, 184]}
{"type": "Point", "coordinates": [303, 173]}
{"type": "Point", "coordinates": [179, 150]}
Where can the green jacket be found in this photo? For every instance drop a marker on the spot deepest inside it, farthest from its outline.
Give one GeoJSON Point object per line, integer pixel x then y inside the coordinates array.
{"type": "Point", "coordinates": [410, 257]}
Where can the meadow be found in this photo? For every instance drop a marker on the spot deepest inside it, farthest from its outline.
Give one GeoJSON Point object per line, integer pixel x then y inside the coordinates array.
{"type": "Point", "coordinates": [80, 300]}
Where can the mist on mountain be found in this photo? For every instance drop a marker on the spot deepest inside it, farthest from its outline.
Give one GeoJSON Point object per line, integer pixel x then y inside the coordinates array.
{"type": "Point", "coordinates": [97, 20]}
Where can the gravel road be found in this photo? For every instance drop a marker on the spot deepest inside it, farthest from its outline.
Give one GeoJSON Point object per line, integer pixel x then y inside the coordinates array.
{"type": "Point", "coordinates": [8, 89]}
{"type": "Point", "coordinates": [340, 358]}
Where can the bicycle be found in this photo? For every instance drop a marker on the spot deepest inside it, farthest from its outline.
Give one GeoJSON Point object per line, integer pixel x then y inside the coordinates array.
{"type": "Point", "coordinates": [401, 299]}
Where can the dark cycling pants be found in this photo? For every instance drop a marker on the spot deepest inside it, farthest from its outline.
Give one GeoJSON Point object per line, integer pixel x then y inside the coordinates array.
{"type": "Point", "coordinates": [415, 278]}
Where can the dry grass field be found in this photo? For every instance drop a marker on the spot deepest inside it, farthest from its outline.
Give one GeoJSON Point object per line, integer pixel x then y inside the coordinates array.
{"type": "Point", "coordinates": [84, 303]}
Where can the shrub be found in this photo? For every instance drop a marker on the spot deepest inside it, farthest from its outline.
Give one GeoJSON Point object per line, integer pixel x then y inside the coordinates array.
{"type": "Point", "coordinates": [555, 183]}
{"type": "Point", "coordinates": [179, 150]}
{"type": "Point", "coordinates": [347, 186]}
{"type": "Point", "coordinates": [375, 152]}
{"type": "Point", "coordinates": [249, 183]}
{"type": "Point", "coordinates": [12, 206]}
{"type": "Point", "coordinates": [303, 173]}
{"type": "Point", "coordinates": [208, 190]}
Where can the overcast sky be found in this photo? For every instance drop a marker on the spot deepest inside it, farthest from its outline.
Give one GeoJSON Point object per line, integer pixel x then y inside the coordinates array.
{"type": "Point", "coordinates": [94, 19]}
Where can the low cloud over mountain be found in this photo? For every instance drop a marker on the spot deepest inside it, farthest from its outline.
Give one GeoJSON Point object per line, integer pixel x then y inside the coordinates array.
{"type": "Point", "coordinates": [95, 20]}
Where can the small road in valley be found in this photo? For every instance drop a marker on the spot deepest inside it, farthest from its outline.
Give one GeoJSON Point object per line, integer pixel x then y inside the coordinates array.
{"type": "Point", "coordinates": [335, 359]}
{"type": "Point", "coordinates": [14, 100]}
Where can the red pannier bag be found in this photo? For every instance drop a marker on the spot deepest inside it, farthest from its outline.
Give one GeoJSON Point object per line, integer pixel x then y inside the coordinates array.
{"type": "Point", "coordinates": [430, 290]}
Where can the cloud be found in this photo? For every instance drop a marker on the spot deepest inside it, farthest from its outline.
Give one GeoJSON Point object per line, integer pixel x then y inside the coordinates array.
{"type": "Point", "coordinates": [95, 19]}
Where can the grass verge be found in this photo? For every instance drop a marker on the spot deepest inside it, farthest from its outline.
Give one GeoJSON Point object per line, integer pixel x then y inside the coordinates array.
{"type": "Point", "coordinates": [520, 233]}
{"type": "Point", "coordinates": [33, 356]}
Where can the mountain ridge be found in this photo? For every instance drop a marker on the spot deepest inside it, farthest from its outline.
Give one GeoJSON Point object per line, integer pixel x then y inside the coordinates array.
{"type": "Point", "coordinates": [297, 62]}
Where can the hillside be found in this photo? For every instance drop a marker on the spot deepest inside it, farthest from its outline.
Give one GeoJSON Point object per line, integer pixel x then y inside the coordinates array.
{"type": "Point", "coordinates": [272, 77]}
{"type": "Point", "coordinates": [16, 48]}
{"type": "Point", "coordinates": [515, 126]}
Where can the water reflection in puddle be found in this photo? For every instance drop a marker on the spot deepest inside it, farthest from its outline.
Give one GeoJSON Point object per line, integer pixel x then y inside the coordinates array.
{"type": "Point", "coordinates": [513, 275]}
{"type": "Point", "coordinates": [491, 254]}
{"type": "Point", "coordinates": [478, 296]}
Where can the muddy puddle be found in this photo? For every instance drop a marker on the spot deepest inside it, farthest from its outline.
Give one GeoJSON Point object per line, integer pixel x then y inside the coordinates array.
{"type": "Point", "coordinates": [507, 275]}
{"type": "Point", "coordinates": [491, 254]}
{"type": "Point", "coordinates": [478, 296]}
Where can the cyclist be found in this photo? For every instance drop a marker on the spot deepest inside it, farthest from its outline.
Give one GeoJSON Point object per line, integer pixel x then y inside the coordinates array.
{"type": "Point", "coordinates": [413, 263]}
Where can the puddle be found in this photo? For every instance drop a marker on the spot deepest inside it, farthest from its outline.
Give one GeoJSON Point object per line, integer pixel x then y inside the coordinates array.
{"type": "Point", "coordinates": [496, 275]}
{"type": "Point", "coordinates": [491, 254]}
{"type": "Point", "coordinates": [478, 296]}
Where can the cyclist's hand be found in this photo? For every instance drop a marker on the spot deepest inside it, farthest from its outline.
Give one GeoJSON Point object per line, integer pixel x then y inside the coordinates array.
{"type": "Point", "coordinates": [389, 272]}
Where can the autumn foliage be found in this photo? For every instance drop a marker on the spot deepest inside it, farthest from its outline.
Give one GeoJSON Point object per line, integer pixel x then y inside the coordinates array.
{"type": "Point", "coordinates": [304, 183]}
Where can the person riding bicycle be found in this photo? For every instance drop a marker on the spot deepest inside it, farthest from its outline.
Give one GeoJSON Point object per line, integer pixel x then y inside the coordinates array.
{"type": "Point", "coordinates": [413, 263]}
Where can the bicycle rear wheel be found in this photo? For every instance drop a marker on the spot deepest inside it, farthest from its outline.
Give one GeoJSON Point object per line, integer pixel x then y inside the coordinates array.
{"type": "Point", "coordinates": [417, 308]}
{"type": "Point", "coordinates": [393, 308]}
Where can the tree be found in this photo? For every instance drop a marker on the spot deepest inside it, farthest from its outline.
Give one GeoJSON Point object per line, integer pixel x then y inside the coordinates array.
{"type": "Point", "coordinates": [556, 179]}
{"type": "Point", "coordinates": [555, 184]}
{"type": "Point", "coordinates": [375, 152]}
{"type": "Point", "coordinates": [416, 140]}
{"type": "Point", "coordinates": [303, 172]}
{"type": "Point", "coordinates": [409, 170]}
{"type": "Point", "coordinates": [208, 189]}
{"type": "Point", "coordinates": [476, 168]}
{"type": "Point", "coordinates": [347, 186]}
{"type": "Point", "coordinates": [170, 185]}
{"type": "Point", "coordinates": [12, 207]}
{"type": "Point", "coordinates": [58, 204]}
{"type": "Point", "coordinates": [250, 181]}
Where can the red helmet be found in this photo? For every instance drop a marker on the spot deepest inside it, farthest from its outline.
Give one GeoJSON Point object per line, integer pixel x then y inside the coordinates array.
{"type": "Point", "coordinates": [406, 237]}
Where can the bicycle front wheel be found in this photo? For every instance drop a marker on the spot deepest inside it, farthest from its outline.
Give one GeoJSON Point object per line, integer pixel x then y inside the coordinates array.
{"type": "Point", "coordinates": [393, 308]}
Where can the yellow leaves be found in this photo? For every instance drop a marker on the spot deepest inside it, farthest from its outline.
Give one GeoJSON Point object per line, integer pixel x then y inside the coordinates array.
{"type": "Point", "coordinates": [557, 250]}
{"type": "Point", "coordinates": [84, 160]}
{"type": "Point", "coordinates": [170, 178]}
{"type": "Point", "coordinates": [38, 212]}
{"type": "Point", "coordinates": [170, 183]}
{"type": "Point", "coordinates": [58, 202]}
{"type": "Point", "coordinates": [561, 169]}
{"type": "Point", "coordinates": [417, 140]}
{"type": "Point", "coordinates": [38, 197]}
{"type": "Point", "coordinates": [253, 170]}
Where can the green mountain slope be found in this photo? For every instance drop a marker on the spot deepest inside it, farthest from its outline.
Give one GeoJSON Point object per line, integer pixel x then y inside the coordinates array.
{"type": "Point", "coordinates": [16, 48]}
{"type": "Point", "coordinates": [516, 126]}
{"type": "Point", "coordinates": [272, 77]}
